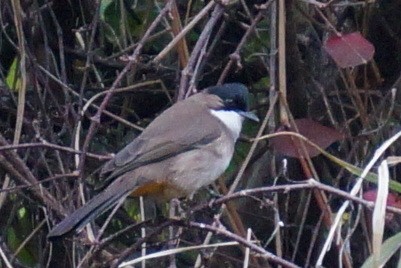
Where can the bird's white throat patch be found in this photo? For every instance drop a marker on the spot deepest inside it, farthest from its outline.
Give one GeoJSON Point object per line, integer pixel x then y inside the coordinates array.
{"type": "Point", "coordinates": [231, 119]}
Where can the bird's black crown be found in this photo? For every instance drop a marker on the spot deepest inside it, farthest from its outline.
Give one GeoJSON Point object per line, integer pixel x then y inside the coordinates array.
{"type": "Point", "coordinates": [234, 96]}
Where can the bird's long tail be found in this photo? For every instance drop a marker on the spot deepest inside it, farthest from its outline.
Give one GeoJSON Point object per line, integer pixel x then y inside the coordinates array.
{"type": "Point", "coordinates": [92, 209]}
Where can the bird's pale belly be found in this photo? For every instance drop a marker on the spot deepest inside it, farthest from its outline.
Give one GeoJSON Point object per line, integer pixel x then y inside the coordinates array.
{"type": "Point", "coordinates": [200, 169]}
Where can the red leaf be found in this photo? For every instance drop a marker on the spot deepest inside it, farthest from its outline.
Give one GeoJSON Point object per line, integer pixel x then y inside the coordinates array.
{"type": "Point", "coordinates": [392, 199]}
{"type": "Point", "coordinates": [349, 50]}
{"type": "Point", "coordinates": [313, 131]}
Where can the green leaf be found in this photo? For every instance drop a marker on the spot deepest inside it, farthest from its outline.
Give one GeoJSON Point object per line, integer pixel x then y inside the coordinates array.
{"type": "Point", "coordinates": [389, 247]}
{"type": "Point", "coordinates": [24, 256]}
{"type": "Point", "coordinates": [13, 79]}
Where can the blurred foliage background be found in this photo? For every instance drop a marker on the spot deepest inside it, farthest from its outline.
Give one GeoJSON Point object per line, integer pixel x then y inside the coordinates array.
{"type": "Point", "coordinates": [59, 61]}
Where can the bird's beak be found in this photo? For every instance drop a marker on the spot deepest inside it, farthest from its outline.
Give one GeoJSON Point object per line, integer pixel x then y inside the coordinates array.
{"type": "Point", "coordinates": [249, 115]}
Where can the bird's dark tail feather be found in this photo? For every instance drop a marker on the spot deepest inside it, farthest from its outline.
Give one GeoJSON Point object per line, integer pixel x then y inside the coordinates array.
{"type": "Point", "coordinates": [88, 212]}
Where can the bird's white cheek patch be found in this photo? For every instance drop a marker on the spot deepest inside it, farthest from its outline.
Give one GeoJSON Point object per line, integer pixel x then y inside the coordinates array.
{"type": "Point", "coordinates": [231, 119]}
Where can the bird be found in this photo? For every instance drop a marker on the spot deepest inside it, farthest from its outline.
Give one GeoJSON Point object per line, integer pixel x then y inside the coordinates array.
{"type": "Point", "coordinates": [186, 147]}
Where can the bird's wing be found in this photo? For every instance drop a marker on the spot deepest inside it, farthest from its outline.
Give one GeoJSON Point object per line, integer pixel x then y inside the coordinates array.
{"type": "Point", "coordinates": [165, 137]}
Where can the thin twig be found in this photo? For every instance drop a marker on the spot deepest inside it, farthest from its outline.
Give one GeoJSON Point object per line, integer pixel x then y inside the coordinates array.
{"type": "Point", "coordinates": [221, 231]}
{"type": "Point", "coordinates": [235, 56]}
{"type": "Point", "coordinates": [13, 164]}
{"type": "Point", "coordinates": [55, 177]}
{"type": "Point", "coordinates": [202, 41]}
{"type": "Point", "coordinates": [184, 31]}
{"type": "Point", "coordinates": [52, 146]}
